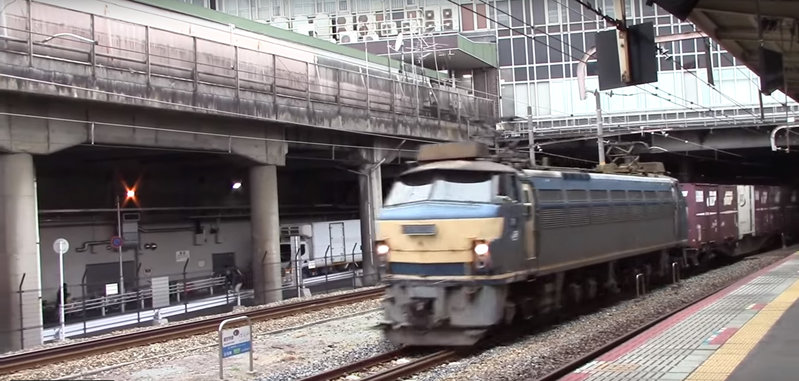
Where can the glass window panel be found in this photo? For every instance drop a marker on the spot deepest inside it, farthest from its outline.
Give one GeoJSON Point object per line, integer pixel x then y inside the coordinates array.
{"type": "Point", "coordinates": [506, 74]}
{"type": "Point", "coordinates": [727, 59]}
{"type": "Point", "coordinates": [542, 72]}
{"type": "Point", "coordinates": [577, 46]}
{"type": "Point", "coordinates": [541, 50]}
{"type": "Point", "coordinates": [263, 9]}
{"type": "Point", "coordinates": [702, 61]}
{"type": "Point", "coordinates": [520, 74]}
{"type": "Point", "coordinates": [557, 71]}
{"type": "Point", "coordinates": [688, 46]}
{"type": "Point", "coordinates": [687, 62]}
{"type": "Point", "coordinates": [502, 17]}
{"type": "Point", "coordinates": [530, 50]}
{"type": "Point", "coordinates": [326, 6]}
{"type": "Point", "coordinates": [553, 14]}
{"type": "Point", "coordinates": [590, 40]}
{"type": "Point", "coordinates": [521, 100]}
{"type": "Point", "coordinates": [505, 52]}
{"type": "Point", "coordinates": [481, 16]}
{"type": "Point", "coordinates": [543, 98]}
{"type": "Point", "coordinates": [302, 7]}
{"type": "Point", "coordinates": [517, 10]}
{"type": "Point", "coordinates": [519, 52]}
{"type": "Point", "coordinates": [508, 104]}
{"type": "Point", "coordinates": [555, 50]}
{"type": "Point", "coordinates": [607, 8]}
{"type": "Point", "coordinates": [648, 10]}
{"type": "Point", "coordinates": [539, 13]}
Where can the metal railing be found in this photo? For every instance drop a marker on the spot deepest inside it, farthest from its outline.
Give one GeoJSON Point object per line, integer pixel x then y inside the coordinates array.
{"type": "Point", "coordinates": [176, 290]}
{"type": "Point", "coordinates": [633, 122]}
{"type": "Point", "coordinates": [93, 314]}
{"type": "Point", "coordinates": [113, 50]}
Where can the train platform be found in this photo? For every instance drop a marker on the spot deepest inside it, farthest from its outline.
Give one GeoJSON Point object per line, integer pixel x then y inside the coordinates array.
{"type": "Point", "coordinates": [746, 331]}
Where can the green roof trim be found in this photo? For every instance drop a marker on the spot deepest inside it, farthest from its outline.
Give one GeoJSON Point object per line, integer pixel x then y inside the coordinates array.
{"type": "Point", "coordinates": [271, 31]}
{"type": "Point", "coordinates": [486, 52]}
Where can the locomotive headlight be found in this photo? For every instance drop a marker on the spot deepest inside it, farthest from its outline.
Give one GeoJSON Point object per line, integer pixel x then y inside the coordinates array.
{"type": "Point", "coordinates": [481, 248]}
{"type": "Point", "coordinates": [382, 249]}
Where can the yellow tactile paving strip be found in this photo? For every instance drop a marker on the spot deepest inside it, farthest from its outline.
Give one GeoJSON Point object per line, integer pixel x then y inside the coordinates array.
{"type": "Point", "coordinates": [721, 364]}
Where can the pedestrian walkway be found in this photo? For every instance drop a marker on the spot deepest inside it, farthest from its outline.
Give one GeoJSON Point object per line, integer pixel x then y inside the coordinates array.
{"type": "Point", "coordinates": [744, 332]}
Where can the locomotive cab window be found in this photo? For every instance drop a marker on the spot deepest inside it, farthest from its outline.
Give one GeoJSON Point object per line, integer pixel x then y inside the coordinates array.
{"type": "Point", "coordinates": [455, 186]}
{"type": "Point", "coordinates": [459, 186]}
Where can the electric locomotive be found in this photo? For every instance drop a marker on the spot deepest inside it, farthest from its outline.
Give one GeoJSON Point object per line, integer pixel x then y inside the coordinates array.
{"type": "Point", "coordinates": [469, 244]}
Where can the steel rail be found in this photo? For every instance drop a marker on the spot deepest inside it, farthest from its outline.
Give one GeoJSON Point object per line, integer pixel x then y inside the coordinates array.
{"type": "Point", "coordinates": [50, 355]}
{"type": "Point", "coordinates": [393, 373]}
{"type": "Point", "coordinates": [366, 363]}
{"type": "Point", "coordinates": [415, 366]}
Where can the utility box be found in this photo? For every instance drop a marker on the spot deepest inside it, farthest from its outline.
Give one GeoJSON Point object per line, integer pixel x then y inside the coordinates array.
{"type": "Point", "coordinates": [130, 230]}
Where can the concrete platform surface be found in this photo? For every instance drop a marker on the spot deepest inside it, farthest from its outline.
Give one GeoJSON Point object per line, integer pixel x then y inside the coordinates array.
{"type": "Point", "coordinates": [744, 332]}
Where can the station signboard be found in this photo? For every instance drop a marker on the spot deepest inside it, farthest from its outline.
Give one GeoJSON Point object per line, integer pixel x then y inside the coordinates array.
{"type": "Point", "coordinates": [236, 341]}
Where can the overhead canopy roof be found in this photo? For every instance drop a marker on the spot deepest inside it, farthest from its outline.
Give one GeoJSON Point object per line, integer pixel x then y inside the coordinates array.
{"type": "Point", "coordinates": [734, 25]}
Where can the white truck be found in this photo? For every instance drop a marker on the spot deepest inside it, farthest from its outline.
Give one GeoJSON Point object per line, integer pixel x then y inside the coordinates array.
{"type": "Point", "coordinates": [326, 247]}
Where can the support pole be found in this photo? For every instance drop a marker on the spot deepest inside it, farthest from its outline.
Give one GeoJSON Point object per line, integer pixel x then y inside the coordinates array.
{"type": "Point", "coordinates": [621, 32]}
{"type": "Point", "coordinates": [599, 139]}
{"type": "Point", "coordinates": [121, 272]}
{"type": "Point", "coordinates": [530, 135]}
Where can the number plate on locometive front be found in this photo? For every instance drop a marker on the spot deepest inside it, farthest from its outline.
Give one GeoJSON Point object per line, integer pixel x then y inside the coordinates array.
{"type": "Point", "coordinates": [419, 229]}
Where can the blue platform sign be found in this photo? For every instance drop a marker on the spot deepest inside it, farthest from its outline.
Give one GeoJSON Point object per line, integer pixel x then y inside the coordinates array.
{"type": "Point", "coordinates": [236, 341]}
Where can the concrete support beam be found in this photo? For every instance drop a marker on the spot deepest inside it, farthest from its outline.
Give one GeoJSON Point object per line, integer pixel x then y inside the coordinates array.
{"type": "Point", "coordinates": [371, 200]}
{"type": "Point", "coordinates": [265, 234]}
{"type": "Point", "coordinates": [21, 319]}
{"type": "Point", "coordinates": [370, 183]}
{"type": "Point", "coordinates": [726, 139]}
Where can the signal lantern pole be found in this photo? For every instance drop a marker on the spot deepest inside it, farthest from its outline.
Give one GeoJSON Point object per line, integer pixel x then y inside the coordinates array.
{"type": "Point", "coordinates": [121, 272]}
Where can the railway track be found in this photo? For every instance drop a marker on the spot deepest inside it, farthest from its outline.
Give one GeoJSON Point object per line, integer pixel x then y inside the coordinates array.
{"type": "Point", "coordinates": [412, 367]}
{"type": "Point", "coordinates": [50, 355]}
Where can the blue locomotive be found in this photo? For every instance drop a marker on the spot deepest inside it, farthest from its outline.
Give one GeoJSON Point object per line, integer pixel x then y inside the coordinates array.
{"type": "Point", "coordinates": [469, 244]}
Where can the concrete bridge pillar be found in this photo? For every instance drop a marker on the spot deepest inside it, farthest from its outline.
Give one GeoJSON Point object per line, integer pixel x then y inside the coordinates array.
{"type": "Point", "coordinates": [370, 184]}
{"type": "Point", "coordinates": [21, 319]}
{"type": "Point", "coordinates": [265, 234]}
{"type": "Point", "coordinates": [371, 200]}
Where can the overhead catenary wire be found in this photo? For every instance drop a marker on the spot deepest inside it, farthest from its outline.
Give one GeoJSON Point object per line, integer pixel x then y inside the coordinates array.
{"type": "Point", "coordinates": [667, 98]}
{"type": "Point", "coordinates": [556, 38]}
{"type": "Point", "coordinates": [669, 57]}
{"type": "Point", "coordinates": [712, 115]}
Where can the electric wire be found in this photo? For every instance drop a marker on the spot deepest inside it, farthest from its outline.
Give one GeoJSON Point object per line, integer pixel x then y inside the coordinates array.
{"type": "Point", "coordinates": [579, 50]}
{"type": "Point", "coordinates": [556, 38]}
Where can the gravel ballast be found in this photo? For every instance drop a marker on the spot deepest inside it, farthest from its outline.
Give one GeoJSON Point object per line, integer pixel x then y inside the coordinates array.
{"type": "Point", "coordinates": [153, 354]}
{"type": "Point", "coordinates": [305, 344]}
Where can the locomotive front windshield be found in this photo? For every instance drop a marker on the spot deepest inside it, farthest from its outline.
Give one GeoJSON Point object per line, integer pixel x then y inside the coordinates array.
{"type": "Point", "coordinates": [459, 186]}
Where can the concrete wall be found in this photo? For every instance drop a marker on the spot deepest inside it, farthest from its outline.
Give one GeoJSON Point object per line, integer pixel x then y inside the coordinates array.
{"type": "Point", "coordinates": [235, 238]}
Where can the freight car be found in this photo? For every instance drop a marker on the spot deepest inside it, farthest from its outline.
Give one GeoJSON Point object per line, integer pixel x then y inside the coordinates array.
{"type": "Point", "coordinates": [735, 220]}
{"type": "Point", "coordinates": [469, 244]}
